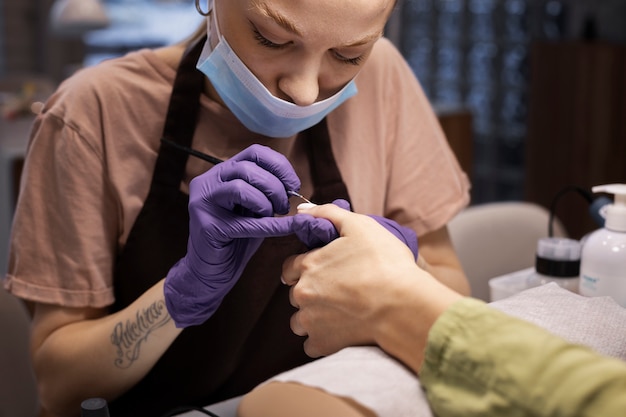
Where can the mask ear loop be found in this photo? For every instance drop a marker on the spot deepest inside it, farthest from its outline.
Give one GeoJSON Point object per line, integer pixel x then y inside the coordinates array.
{"type": "Point", "coordinates": [202, 12]}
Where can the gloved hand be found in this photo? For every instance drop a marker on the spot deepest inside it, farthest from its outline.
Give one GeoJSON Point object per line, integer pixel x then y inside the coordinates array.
{"type": "Point", "coordinates": [231, 209]}
{"type": "Point", "coordinates": [316, 232]}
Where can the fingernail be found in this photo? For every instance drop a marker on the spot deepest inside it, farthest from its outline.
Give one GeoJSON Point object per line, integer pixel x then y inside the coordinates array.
{"type": "Point", "coordinates": [306, 206]}
{"type": "Point", "coordinates": [283, 280]}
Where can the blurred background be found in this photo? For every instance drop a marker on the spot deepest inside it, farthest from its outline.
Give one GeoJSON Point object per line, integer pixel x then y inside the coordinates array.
{"type": "Point", "coordinates": [531, 93]}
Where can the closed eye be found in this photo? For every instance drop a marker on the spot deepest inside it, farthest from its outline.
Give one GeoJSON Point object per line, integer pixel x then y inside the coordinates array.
{"type": "Point", "coordinates": [352, 61]}
{"type": "Point", "coordinates": [262, 40]}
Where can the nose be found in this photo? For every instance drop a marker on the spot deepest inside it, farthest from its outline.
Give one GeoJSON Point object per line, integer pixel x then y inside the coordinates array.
{"type": "Point", "coordinates": [300, 87]}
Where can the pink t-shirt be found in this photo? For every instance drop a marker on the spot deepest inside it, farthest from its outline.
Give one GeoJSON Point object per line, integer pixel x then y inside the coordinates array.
{"type": "Point", "coordinates": [94, 147]}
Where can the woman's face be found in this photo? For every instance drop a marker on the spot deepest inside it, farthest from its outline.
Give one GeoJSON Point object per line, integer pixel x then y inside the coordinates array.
{"type": "Point", "coordinates": [303, 51]}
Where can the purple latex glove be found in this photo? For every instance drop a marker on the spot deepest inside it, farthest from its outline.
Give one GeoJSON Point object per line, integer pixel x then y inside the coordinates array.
{"type": "Point", "coordinates": [316, 232]}
{"type": "Point", "coordinates": [405, 234]}
{"type": "Point", "coordinates": [231, 209]}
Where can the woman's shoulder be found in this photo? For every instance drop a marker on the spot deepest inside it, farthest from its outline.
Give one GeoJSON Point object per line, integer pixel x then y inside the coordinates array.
{"type": "Point", "coordinates": [385, 49]}
{"type": "Point", "coordinates": [131, 76]}
{"type": "Point", "coordinates": [386, 68]}
{"type": "Point", "coordinates": [133, 88]}
{"type": "Point", "coordinates": [385, 55]}
{"type": "Point", "coordinates": [146, 63]}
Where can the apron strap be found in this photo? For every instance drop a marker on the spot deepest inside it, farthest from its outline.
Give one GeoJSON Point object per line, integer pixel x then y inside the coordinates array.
{"type": "Point", "coordinates": [325, 173]}
{"type": "Point", "coordinates": [180, 122]}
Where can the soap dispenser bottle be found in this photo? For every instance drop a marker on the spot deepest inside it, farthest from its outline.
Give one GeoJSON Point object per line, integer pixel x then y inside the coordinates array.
{"type": "Point", "coordinates": [603, 257]}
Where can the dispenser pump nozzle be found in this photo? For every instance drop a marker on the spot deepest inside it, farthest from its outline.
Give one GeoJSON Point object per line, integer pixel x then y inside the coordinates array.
{"type": "Point", "coordinates": [616, 212]}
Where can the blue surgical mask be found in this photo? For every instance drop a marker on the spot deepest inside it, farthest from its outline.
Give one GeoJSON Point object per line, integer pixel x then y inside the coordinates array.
{"type": "Point", "coordinates": [251, 102]}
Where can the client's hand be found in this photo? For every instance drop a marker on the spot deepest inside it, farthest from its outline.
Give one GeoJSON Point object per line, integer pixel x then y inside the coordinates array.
{"type": "Point", "coordinates": [362, 288]}
{"type": "Point", "coordinates": [316, 232]}
{"type": "Point", "coordinates": [231, 209]}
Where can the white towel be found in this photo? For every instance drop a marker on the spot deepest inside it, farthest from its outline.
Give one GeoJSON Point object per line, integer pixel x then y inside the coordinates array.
{"type": "Point", "coordinates": [597, 322]}
{"type": "Point", "coordinates": [368, 376]}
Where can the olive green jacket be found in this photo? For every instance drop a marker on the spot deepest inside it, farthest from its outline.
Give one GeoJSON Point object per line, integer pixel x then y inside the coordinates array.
{"type": "Point", "coordinates": [482, 362]}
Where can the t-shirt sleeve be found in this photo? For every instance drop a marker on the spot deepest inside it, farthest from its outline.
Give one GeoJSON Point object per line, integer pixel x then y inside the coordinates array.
{"type": "Point", "coordinates": [393, 154]}
{"type": "Point", "coordinates": [66, 221]}
{"type": "Point", "coordinates": [480, 361]}
{"type": "Point", "coordinates": [427, 186]}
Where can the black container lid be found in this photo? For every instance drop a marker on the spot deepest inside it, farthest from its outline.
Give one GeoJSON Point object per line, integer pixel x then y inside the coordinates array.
{"type": "Point", "coordinates": [94, 407]}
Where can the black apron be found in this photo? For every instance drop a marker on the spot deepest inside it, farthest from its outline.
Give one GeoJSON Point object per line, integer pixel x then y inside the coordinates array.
{"type": "Point", "coordinates": [248, 339]}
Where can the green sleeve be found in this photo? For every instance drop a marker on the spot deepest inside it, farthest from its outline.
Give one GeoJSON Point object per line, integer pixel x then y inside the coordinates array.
{"type": "Point", "coordinates": [482, 362]}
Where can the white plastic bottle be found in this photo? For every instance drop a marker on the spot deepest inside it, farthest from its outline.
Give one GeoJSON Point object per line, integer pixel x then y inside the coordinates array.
{"type": "Point", "coordinates": [603, 257]}
{"type": "Point", "coordinates": [557, 260]}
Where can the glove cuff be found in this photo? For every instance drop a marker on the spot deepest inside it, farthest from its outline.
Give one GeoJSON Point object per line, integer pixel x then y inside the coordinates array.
{"type": "Point", "coordinates": [405, 234]}
{"type": "Point", "coordinates": [189, 305]}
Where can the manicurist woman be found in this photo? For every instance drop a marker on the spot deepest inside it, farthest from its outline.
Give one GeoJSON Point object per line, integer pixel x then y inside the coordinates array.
{"type": "Point", "coordinates": [151, 268]}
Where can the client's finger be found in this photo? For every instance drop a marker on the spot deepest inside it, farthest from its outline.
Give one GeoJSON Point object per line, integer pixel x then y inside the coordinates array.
{"type": "Point", "coordinates": [292, 269]}
{"type": "Point", "coordinates": [295, 325]}
{"type": "Point", "coordinates": [292, 298]}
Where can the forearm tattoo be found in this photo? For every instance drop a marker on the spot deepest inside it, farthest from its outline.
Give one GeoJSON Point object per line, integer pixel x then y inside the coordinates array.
{"type": "Point", "coordinates": [127, 337]}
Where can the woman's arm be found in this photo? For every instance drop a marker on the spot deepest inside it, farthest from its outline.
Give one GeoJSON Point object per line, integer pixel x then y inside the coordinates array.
{"type": "Point", "coordinates": [79, 353]}
{"type": "Point", "coordinates": [438, 257]}
{"type": "Point", "coordinates": [83, 352]}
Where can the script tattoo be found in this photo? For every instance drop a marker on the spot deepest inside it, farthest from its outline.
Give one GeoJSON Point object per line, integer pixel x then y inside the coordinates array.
{"type": "Point", "coordinates": [128, 337]}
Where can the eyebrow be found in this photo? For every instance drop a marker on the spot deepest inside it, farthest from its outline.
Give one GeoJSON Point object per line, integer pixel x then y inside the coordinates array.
{"type": "Point", "coordinates": [278, 18]}
{"type": "Point", "coordinates": [365, 40]}
{"type": "Point", "coordinates": [288, 25]}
